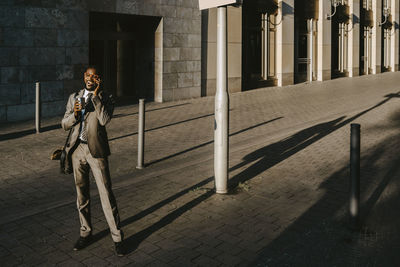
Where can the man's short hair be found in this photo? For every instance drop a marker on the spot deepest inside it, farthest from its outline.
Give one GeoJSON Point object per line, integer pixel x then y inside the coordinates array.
{"type": "Point", "coordinates": [93, 67]}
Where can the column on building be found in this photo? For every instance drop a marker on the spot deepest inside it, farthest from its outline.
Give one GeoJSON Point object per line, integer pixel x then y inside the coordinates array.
{"type": "Point", "coordinates": [285, 42]}
{"type": "Point", "coordinates": [158, 62]}
{"type": "Point", "coordinates": [395, 35]}
{"type": "Point", "coordinates": [234, 52]}
{"type": "Point", "coordinates": [376, 37]}
{"type": "Point", "coordinates": [324, 42]}
{"type": "Point", "coordinates": [389, 35]}
{"type": "Point", "coordinates": [354, 38]}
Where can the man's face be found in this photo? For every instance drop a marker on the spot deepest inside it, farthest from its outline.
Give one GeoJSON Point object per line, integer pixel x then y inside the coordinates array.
{"type": "Point", "coordinates": [91, 78]}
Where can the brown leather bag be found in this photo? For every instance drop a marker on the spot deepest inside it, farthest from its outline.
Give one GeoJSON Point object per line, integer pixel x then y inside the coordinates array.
{"type": "Point", "coordinates": [65, 160]}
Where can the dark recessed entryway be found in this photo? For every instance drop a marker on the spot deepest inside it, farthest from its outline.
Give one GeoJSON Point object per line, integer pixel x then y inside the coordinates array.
{"type": "Point", "coordinates": [123, 48]}
{"type": "Point", "coordinates": [259, 43]}
{"type": "Point", "coordinates": [305, 17]}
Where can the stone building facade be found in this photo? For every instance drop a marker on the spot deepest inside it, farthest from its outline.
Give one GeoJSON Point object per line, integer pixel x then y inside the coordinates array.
{"type": "Point", "coordinates": [49, 41]}
{"type": "Point", "coordinates": [165, 50]}
{"type": "Point", "coordinates": [282, 42]}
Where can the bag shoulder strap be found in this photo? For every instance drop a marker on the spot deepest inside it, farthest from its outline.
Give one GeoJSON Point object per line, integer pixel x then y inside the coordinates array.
{"type": "Point", "coordinates": [70, 130]}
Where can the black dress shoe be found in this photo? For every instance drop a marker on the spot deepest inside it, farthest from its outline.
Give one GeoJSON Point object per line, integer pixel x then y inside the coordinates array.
{"type": "Point", "coordinates": [83, 242]}
{"type": "Point", "coordinates": [119, 249]}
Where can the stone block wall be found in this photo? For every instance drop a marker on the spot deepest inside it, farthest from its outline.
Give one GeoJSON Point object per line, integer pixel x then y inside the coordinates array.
{"type": "Point", "coordinates": [209, 50]}
{"type": "Point", "coordinates": [48, 41]}
{"type": "Point", "coordinates": [44, 41]}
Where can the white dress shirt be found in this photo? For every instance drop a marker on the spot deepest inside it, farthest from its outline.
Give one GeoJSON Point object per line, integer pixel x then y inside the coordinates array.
{"type": "Point", "coordinates": [85, 95]}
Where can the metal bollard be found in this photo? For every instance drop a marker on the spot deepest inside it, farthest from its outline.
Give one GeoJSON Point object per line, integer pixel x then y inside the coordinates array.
{"type": "Point", "coordinates": [355, 175]}
{"type": "Point", "coordinates": [37, 110]}
{"type": "Point", "coordinates": [141, 135]}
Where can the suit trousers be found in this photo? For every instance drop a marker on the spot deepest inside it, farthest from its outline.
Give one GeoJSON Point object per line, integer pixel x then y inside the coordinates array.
{"type": "Point", "coordinates": [82, 162]}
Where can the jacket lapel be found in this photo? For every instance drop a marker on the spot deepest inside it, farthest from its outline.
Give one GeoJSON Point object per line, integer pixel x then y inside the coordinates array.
{"type": "Point", "coordinates": [87, 115]}
{"type": "Point", "coordinates": [80, 94]}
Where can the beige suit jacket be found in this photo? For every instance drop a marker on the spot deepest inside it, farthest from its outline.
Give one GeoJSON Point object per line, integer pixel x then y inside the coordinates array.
{"type": "Point", "coordinates": [96, 121]}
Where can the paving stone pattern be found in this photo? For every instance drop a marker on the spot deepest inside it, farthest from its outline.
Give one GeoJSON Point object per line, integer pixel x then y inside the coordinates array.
{"type": "Point", "coordinates": [288, 201]}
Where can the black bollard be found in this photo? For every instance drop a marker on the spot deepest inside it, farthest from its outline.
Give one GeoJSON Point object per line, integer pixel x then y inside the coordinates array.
{"type": "Point", "coordinates": [355, 175]}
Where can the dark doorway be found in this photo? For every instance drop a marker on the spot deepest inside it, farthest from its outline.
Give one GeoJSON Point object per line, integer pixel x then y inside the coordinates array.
{"type": "Point", "coordinates": [366, 25]}
{"type": "Point", "coordinates": [305, 19]}
{"type": "Point", "coordinates": [339, 36]}
{"type": "Point", "coordinates": [123, 48]}
{"type": "Point", "coordinates": [362, 39]}
{"type": "Point", "coordinates": [259, 44]}
{"type": "Point", "coordinates": [300, 49]}
{"type": "Point", "coordinates": [335, 72]}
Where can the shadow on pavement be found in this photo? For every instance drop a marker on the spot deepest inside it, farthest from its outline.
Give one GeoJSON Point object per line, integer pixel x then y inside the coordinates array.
{"type": "Point", "coordinates": [316, 238]}
{"type": "Point", "coordinates": [121, 115]}
{"type": "Point", "coordinates": [15, 135]}
{"type": "Point", "coordinates": [160, 127]}
{"type": "Point", "coordinates": [264, 159]}
{"type": "Point", "coordinates": [177, 195]}
{"type": "Point", "coordinates": [210, 142]}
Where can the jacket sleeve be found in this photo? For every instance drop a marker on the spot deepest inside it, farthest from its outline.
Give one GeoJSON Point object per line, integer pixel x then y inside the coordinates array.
{"type": "Point", "coordinates": [69, 119]}
{"type": "Point", "coordinates": [104, 108]}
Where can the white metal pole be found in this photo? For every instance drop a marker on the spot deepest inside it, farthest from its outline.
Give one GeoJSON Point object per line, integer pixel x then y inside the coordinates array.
{"type": "Point", "coordinates": [37, 110]}
{"type": "Point", "coordinates": [140, 160]}
{"type": "Point", "coordinates": [221, 125]}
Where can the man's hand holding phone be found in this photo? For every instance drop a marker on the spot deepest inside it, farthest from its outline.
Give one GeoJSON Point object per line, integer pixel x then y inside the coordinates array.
{"type": "Point", "coordinates": [97, 81]}
{"type": "Point", "coordinates": [77, 109]}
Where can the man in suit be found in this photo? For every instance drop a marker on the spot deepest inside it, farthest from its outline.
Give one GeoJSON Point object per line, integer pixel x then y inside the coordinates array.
{"type": "Point", "coordinates": [88, 149]}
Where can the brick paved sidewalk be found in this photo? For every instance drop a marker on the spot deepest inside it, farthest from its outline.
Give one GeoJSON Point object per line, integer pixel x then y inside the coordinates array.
{"type": "Point", "coordinates": [288, 171]}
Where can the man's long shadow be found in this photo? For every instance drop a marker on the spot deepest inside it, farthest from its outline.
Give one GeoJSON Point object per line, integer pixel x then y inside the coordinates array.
{"type": "Point", "coordinates": [264, 159]}
{"type": "Point", "coordinates": [335, 235]}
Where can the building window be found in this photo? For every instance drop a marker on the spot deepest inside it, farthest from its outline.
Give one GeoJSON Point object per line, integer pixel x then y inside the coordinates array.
{"type": "Point", "coordinates": [366, 25]}
{"type": "Point", "coordinates": [386, 35]}
{"type": "Point", "coordinates": [268, 36]}
{"type": "Point", "coordinates": [367, 50]}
